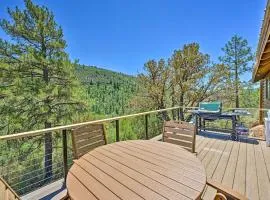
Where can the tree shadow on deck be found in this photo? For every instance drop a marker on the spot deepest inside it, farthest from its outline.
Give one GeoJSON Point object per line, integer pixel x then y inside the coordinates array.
{"type": "Point", "coordinates": [226, 136]}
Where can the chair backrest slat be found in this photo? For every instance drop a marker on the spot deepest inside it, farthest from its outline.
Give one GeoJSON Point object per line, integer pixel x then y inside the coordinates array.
{"type": "Point", "coordinates": [6, 192]}
{"type": "Point", "coordinates": [180, 133]}
{"type": "Point", "coordinates": [88, 137]}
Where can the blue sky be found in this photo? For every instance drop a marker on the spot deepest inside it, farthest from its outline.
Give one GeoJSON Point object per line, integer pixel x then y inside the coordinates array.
{"type": "Point", "coordinates": [122, 35]}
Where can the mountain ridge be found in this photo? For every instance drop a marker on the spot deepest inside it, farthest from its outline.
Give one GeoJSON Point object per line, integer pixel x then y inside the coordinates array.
{"type": "Point", "coordinates": [110, 91]}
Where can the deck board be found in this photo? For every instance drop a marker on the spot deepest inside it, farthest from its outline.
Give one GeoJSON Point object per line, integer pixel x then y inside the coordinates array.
{"type": "Point", "coordinates": [216, 155]}
{"type": "Point", "coordinates": [209, 155]}
{"type": "Point", "coordinates": [240, 173]}
{"type": "Point", "coordinates": [243, 166]}
{"type": "Point", "coordinates": [266, 153]}
{"type": "Point", "coordinates": [229, 174]}
{"type": "Point", "coordinates": [222, 164]}
{"type": "Point", "coordinates": [202, 153]}
{"type": "Point", "coordinates": [252, 191]}
{"type": "Point", "coordinates": [200, 144]}
{"type": "Point", "coordinates": [209, 193]}
{"type": "Point", "coordinates": [262, 174]}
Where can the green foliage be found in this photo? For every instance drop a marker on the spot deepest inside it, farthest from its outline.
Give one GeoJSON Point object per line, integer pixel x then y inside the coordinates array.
{"type": "Point", "coordinates": [39, 86]}
{"type": "Point", "coordinates": [22, 162]}
{"type": "Point", "coordinates": [249, 95]}
{"type": "Point", "coordinates": [134, 128]}
{"type": "Point", "coordinates": [153, 84]}
{"type": "Point", "coordinates": [109, 92]}
{"type": "Point", "coordinates": [237, 56]}
{"type": "Point", "coordinates": [186, 79]}
{"type": "Point", "coordinates": [38, 82]}
{"type": "Point", "coordinates": [194, 77]}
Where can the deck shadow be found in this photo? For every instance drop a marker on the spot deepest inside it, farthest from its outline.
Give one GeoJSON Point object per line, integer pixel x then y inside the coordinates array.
{"type": "Point", "coordinates": [225, 136]}
{"type": "Point", "coordinates": [54, 194]}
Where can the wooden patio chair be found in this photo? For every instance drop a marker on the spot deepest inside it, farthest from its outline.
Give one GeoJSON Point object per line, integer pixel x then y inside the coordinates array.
{"type": "Point", "coordinates": [224, 192]}
{"type": "Point", "coordinates": [6, 192]}
{"type": "Point", "coordinates": [86, 138]}
{"type": "Point", "coordinates": [180, 133]}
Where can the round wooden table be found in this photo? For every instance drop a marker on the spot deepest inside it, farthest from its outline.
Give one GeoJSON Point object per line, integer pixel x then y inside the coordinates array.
{"type": "Point", "coordinates": [139, 169]}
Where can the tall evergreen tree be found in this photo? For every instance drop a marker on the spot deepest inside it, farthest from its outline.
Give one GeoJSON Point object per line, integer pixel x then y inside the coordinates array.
{"type": "Point", "coordinates": [37, 78]}
{"type": "Point", "coordinates": [237, 56]}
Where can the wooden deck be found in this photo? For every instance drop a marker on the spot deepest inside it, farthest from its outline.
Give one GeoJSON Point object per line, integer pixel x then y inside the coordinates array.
{"type": "Point", "coordinates": [243, 166]}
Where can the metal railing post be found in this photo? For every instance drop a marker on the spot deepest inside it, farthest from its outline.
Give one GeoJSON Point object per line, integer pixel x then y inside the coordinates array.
{"type": "Point", "coordinates": [117, 130]}
{"type": "Point", "coordinates": [65, 155]}
{"type": "Point", "coordinates": [146, 126]}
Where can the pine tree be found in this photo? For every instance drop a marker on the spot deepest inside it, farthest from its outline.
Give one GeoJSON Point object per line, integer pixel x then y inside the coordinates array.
{"type": "Point", "coordinates": [37, 78]}
{"type": "Point", "coordinates": [237, 56]}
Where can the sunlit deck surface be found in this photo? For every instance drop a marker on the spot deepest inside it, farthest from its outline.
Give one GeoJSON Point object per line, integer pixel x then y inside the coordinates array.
{"type": "Point", "coordinates": [243, 166]}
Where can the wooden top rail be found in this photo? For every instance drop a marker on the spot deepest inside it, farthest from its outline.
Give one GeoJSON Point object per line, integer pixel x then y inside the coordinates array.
{"type": "Point", "coordinates": [71, 126]}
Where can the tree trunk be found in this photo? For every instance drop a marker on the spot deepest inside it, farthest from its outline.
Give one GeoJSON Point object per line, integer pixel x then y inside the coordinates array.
{"type": "Point", "coordinates": [173, 104]}
{"type": "Point", "coordinates": [48, 136]}
{"type": "Point", "coordinates": [181, 102]}
{"type": "Point", "coordinates": [236, 75]}
{"type": "Point", "coordinates": [236, 88]}
{"type": "Point", "coordinates": [164, 115]}
{"type": "Point", "coordinates": [48, 153]}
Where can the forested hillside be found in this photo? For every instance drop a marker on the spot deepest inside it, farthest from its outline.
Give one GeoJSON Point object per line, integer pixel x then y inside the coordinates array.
{"type": "Point", "coordinates": [109, 92]}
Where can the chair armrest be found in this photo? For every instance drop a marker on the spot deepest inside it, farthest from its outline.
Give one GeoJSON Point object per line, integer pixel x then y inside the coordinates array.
{"type": "Point", "coordinates": [226, 190]}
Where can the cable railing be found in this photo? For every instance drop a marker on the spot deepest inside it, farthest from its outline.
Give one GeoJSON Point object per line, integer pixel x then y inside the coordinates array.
{"type": "Point", "coordinates": [29, 160]}
{"type": "Point", "coordinates": [25, 165]}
